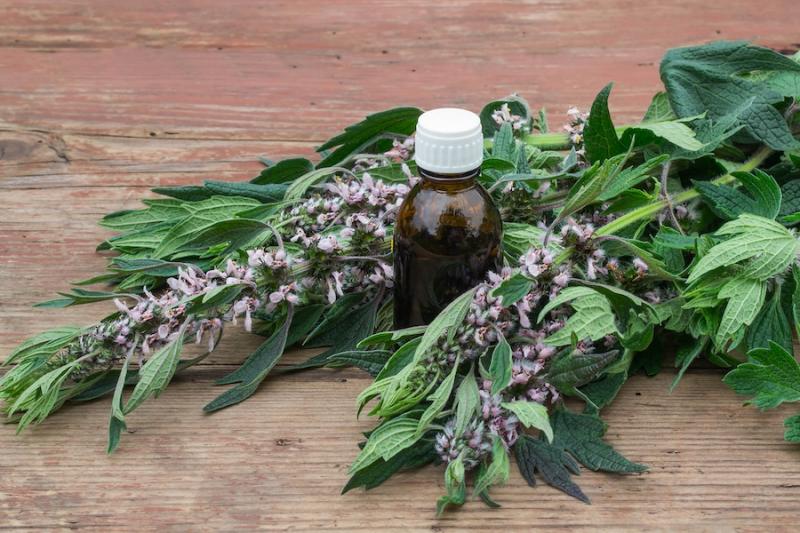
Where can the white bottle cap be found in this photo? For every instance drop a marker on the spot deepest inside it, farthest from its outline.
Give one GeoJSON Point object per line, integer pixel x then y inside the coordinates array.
{"type": "Point", "coordinates": [448, 141]}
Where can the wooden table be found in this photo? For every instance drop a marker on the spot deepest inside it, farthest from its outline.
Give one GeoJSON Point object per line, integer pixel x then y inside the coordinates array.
{"type": "Point", "coordinates": [101, 100]}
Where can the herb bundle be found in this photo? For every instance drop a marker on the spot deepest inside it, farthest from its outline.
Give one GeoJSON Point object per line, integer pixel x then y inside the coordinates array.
{"type": "Point", "coordinates": [679, 226]}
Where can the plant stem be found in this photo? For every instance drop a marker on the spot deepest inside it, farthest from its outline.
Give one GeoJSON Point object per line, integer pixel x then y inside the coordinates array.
{"type": "Point", "coordinates": [650, 210]}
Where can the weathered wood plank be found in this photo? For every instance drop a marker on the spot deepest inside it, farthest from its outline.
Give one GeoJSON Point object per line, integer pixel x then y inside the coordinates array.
{"type": "Point", "coordinates": [279, 462]}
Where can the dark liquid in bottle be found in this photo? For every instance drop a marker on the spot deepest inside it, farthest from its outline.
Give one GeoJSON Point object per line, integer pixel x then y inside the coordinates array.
{"type": "Point", "coordinates": [447, 236]}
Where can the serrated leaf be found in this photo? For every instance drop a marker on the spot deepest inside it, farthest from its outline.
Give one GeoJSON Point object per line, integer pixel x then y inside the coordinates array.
{"type": "Point", "coordinates": [765, 245]}
{"type": "Point", "coordinates": [371, 361]}
{"type": "Point", "coordinates": [708, 79]}
{"type": "Point", "coordinates": [602, 391]}
{"type": "Point", "coordinates": [581, 436]}
{"type": "Point", "coordinates": [445, 323]}
{"type": "Point", "coordinates": [467, 402]}
{"type": "Point", "coordinates": [600, 137]}
{"type": "Point", "coordinates": [551, 463]}
{"type": "Point", "coordinates": [503, 145]}
{"type": "Point", "coordinates": [156, 373]}
{"type": "Point", "coordinates": [284, 171]}
{"type": "Point", "coordinates": [512, 289]}
{"type": "Point", "coordinates": [438, 400]}
{"type": "Point", "coordinates": [674, 131]}
{"type": "Point", "coordinates": [400, 359]}
{"type": "Point", "coordinates": [117, 422]}
{"type": "Point", "coordinates": [496, 473]}
{"type": "Point", "coordinates": [771, 324]}
{"type": "Point", "coordinates": [500, 366]}
{"type": "Point", "coordinates": [728, 203]}
{"type": "Point", "coordinates": [253, 371]}
{"type": "Point", "coordinates": [265, 193]}
{"type": "Point", "coordinates": [771, 376]}
{"type": "Point", "coordinates": [745, 298]}
{"type": "Point", "coordinates": [659, 109]}
{"type": "Point", "coordinates": [203, 215]}
{"type": "Point", "coordinates": [379, 471]}
{"type": "Point", "coordinates": [357, 137]}
{"type": "Point", "coordinates": [631, 177]}
{"type": "Point", "coordinates": [532, 415]}
{"type": "Point", "coordinates": [571, 370]}
{"type": "Point", "coordinates": [388, 439]}
{"type": "Point", "coordinates": [685, 356]}
{"type": "Point", "coordinates": [592, 318]}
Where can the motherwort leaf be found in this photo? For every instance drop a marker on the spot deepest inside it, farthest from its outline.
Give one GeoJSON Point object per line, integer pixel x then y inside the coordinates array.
{"type": "Point", "coordinates": [600, 137]}
{"type": "Point", "coordinates": [771, 375]}
{"type": "Point", "coordinates": [467, 402]}
{"type": "Point", "coordinates": [517, 105]}
{"type": "Point", "coordinates": [535, 456]}
{"type": "Point", "coordinates": [438, 400]}
{"type": "Point", "coordinates": [728, 203]}
{"type": "Point", "coordinates": [284, 171]}
{"type": "Point", "coordinates": [745, 297]}
{"type": "Point", "coordinates": [371, 361]}
{"type": "Point", "coordinates": [771, 324]}
{"type": "Point", "coordinates": [513, 289]}
{"type": "Point", "coordinates": [496, 472]}
{"type": "Point", "coordinates": [445, 323]}
{"type": "Point", "coordinates": [500, 366]}
{"type": "Point", "coordinates": [253, 371]}
{"type": "Point", "coordinates": [390, 438]}
{"type": "Point", "coordinates": [357, 137]}
{"type": "Point", "coordinates": [592, 318]}
{"type": "Point", "coordinates": [373, 475]}
{"type": "Point", "coordinates": [532, 415]}
{"type": "Point", "coordinates": [156, 373]}
{"type": "Point", "coordinates": [569, 371]}
{"type": "Point", "coordinates": [708, 79]}
{"type": "Point", "coordinates": [581, 436]}
{"type": "Point", "coordinates": [761, 246]}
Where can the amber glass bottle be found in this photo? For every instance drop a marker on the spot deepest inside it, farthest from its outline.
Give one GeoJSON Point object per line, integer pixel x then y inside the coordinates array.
{"type": "Point", "coordinates": [448, 230]}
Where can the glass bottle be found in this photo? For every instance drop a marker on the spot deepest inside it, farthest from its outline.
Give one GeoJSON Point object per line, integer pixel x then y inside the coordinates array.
{"type": "Point", "coordinates": [448, 231]}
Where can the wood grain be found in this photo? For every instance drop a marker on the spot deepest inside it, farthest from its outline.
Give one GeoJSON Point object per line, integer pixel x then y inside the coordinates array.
{"type": "Point", "coordinates": [101, 100]}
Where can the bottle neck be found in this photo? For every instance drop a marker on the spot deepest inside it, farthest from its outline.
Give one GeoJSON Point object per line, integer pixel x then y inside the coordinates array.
{"type": "Point", "coordinates": [449, 182]}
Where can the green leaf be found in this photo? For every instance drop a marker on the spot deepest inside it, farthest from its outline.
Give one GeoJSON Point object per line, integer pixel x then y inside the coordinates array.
{"type": "Point", "coordinates": [284, 171]}
{"type": "Point", "coordinates": [790, 198]}
{"type": "Point", "coordinates": [445, 323]}
{"type": "Point", "coordinates": [500, 367]}
{"type": "Point", "coordinates": [708, 79]}
{"type": "Point", "coordinates": [203, 216]}
{"type": "Point", "coordinates": [771, 324]}
{"type": "Point", "coordinates": [253, 371]}
{"type": "Point", "coordinates": [771, 376]}
{"type": "Point", "coordinates": [455, 484]}
{"type": "Point", "coordinates": [763, 246]}
{"type": "Point", "coordinates": [117, 423]}
{"type": "Point", "coordinates": [550, 462]}
{"type": "Point", "coordinates": [400, 359]}
{"type": "Point", "coordinates": [503, 146]}
{"type": "Point", "coordinates": [745, 298]}
{"type": "Point", "coordinates": [532, 415]}
{"type": "Point", "coordinates": [571, 370]}
{"type": "Point", "coordinates": [728, 203]}
{"type": "Point", "coordinates": [602, 391]}
{"type": "Point", "coordinates": [438, 400]}
{"type": "Point", "coordinates": [359, 136]}
{"type": "Point", "coordinates": [238, 233]}
{"type": "Point", "coordinates": [156, 373]}
{"type": "Point", "coordinates": [673, 131]}
{"type": "Point", "coordinates": [371, 361]}
{"type": "Point", "coordinates": [342, 332]}
{"type": "Point", "coordinates": [792, 425]}
{"type": "Point", "coordinates": [685, 356]}
{"type": "Point", "coordinates": [631, 177]}
{"type": "Point", "coordinates": [263, 193]}
{"type": "Point", "coordinates": [467, 402]}
{"type": "Point", "coordinates": [659, 109]}
{"type": "Point", "coordinates": [581, 436]}
{"type": "Point", "coordinates": [383, 337]}
{"type": "Point", "coordinates": [498, 470]}
{"type": "Point", "coordinates": [600, 137]}
{"type": "Point", "coordinates": [215, 298]}
{"type": "Point", "coordinates": [592, 317]}
{"type": "Point", "coordinates": [388, 439]}
{"type": "Point", "coordinates": [79, 297]}
{"type": "Point", "coordinates": [379, 471]}
{"type": "Point", "coordinates": [187, 193]}
{"type": "Point", "coordinates": [512, 289]}
{"type": "Point", "coordinates": [158, 211]}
